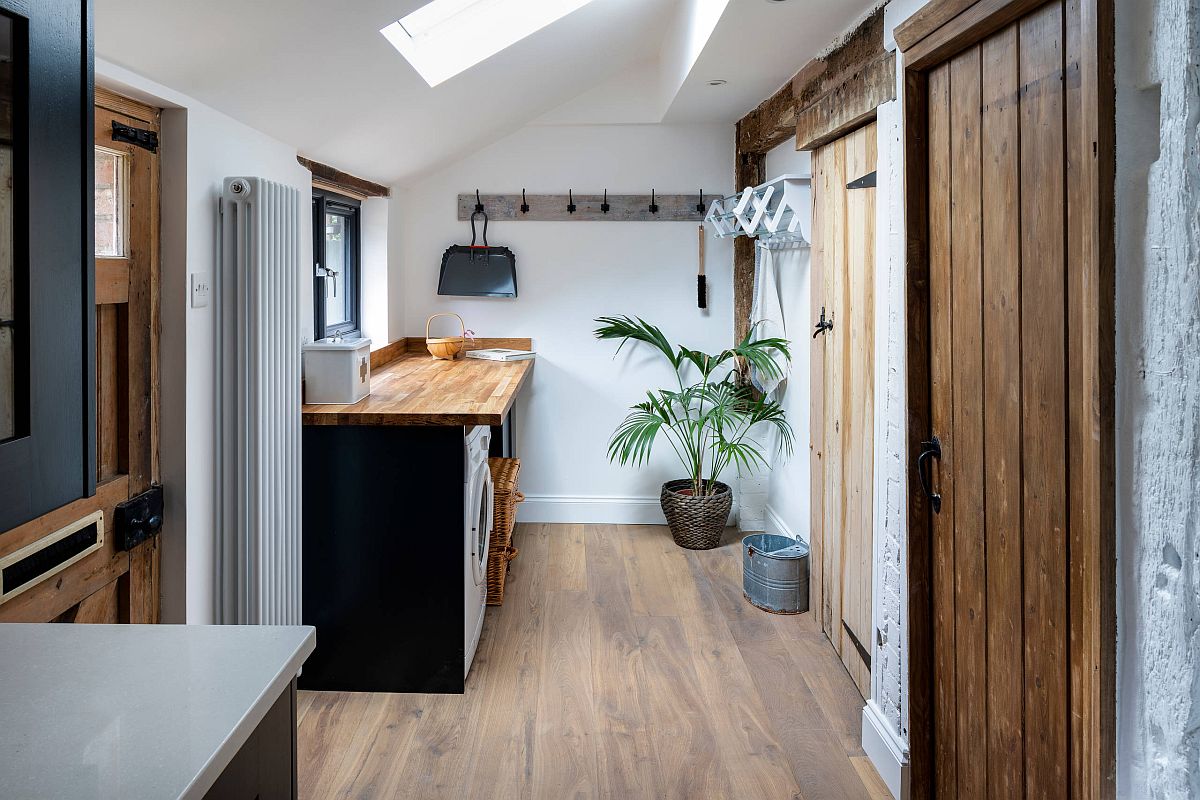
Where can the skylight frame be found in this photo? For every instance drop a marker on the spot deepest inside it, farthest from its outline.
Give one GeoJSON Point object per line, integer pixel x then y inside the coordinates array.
{"type": "Point", "coordinates": [444, 38]}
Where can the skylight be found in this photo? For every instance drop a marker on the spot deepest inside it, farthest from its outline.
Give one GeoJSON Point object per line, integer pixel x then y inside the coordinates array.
{"type": "Point", "coordinates": [445, 37]}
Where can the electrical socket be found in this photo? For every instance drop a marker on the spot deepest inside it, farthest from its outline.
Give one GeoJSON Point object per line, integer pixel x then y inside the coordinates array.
{"type": "Point", "coordinates": [201, 289]}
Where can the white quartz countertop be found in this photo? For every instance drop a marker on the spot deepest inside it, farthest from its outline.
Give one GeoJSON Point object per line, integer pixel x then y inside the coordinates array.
{"type": "Point", "coordinates": [134, 711]}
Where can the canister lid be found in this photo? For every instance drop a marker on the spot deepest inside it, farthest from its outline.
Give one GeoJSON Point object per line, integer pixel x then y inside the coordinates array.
{"type": "Point", "coordinates": [338, 344]}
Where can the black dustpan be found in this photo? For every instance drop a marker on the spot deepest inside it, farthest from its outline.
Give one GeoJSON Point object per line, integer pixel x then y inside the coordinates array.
{"type": "Point", "coordinates": [478, 270]}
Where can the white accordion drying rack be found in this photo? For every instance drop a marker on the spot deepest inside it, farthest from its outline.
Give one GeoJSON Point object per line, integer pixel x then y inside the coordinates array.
{"type": "Point", "coordinates": [779, 210]}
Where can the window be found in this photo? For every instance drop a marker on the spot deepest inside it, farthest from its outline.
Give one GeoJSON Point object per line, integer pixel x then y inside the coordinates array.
{"type": "Point", "coordinates": [445, 37]}
{"type": "Point", "coordinates": [335, 265]}
{"type": "Point", "coordinates": [112, 173]}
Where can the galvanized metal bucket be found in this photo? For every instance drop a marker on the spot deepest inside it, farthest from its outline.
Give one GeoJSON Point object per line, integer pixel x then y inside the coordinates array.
{"type": "Point", "coordinates": [775, 573]}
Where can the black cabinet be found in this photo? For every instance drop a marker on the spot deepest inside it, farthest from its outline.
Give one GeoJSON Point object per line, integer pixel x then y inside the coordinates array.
{"type": "Point", "coordinates": [265, 766]}
{"type": "Point", "coordinates": [47, 316]}
{"type": "Point", "coordinates": [383, 557]}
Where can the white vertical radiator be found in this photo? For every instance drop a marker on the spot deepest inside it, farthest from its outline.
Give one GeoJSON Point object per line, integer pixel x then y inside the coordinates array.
{"type": "Point", "coordinates": [257, 309]}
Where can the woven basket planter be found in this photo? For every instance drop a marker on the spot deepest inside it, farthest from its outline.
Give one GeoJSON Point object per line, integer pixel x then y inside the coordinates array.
{"type": "Point", "coordinates": [696, 522]}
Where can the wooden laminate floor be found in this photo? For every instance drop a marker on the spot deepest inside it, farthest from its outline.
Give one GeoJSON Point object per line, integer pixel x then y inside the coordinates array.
{"type": "Point", "coordinates": [620, 666]}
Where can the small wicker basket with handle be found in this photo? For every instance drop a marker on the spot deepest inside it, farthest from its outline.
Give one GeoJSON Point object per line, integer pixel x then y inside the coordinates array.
{"type": "Point", "coordinates": [449, 347]}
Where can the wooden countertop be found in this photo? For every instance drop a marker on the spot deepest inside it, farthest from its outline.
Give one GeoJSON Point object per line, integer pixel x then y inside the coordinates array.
{"type": "Point", "coordinates": [416, 389]}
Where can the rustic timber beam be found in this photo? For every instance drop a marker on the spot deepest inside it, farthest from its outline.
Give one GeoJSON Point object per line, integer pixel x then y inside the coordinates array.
{"type": "Point", "coordinates": [750, 170]}
{"type": "Point", "coordinates": [769, 125]}
{"type": "Point", "coordinates": [848, 106]}
{"type": "Point", "coordinates": [839, 91]}
{"type": "Point", "coordinates": [928, 19]}
{"type": "Point", "coordinates": [323, 173]}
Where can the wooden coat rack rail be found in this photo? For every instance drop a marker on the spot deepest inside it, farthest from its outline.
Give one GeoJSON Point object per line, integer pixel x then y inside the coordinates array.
{"type": "Point", "coordinates": [573, 207]}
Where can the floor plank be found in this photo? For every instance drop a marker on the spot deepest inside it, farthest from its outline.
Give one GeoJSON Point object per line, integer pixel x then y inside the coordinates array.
{"type": "Point", "coordinates": [621, 667]}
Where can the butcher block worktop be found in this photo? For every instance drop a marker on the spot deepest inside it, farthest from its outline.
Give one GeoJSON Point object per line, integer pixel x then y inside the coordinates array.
{"type": "Point", "coordinates": [416, 389]}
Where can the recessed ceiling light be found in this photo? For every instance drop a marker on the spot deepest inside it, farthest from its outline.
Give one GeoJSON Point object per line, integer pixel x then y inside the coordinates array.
{"type": "Point", "coordinates": [718, 82]}
{"type": "Point", "coordinates": [445, 37]}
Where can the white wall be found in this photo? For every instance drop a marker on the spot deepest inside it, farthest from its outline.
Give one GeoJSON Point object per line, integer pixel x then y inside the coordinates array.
{"type": "Point", "coordinates": [1158, 397]}
{"type": "Point", "coordinates": [375, 290]}
{"type": "Point", "coordinates": [568, 273]}
{"type": "Point", "coordinates": [200, 148]}
{"type": "Point", "coordinates": [789, 484]}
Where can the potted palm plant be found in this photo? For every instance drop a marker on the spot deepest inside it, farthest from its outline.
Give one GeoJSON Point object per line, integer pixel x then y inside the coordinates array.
{"type": "Point", "coordinates": [712, 421]}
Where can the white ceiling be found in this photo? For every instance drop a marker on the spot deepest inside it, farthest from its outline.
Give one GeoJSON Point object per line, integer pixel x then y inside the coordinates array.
{"type": "Point", "coordinates": [319, 76]}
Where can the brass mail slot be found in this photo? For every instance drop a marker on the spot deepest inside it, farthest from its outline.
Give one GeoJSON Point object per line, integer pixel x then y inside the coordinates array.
{"type": "Point", "coordinates": [50, 555]}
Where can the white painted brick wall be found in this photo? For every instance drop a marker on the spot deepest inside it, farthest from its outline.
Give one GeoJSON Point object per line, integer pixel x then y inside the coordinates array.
{"type": "Point", "coordinates": [890, 678]}
{"type": "Point", "coordinates": [1158, 398]}
{"type": "Point", "coordinates": [752, 503]}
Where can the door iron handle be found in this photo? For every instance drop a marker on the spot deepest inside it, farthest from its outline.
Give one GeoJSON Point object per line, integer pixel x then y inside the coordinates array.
{"type": "Point", "coordinates": [931, 449]}
{"type": "Point", "coordinates": [823, 325]}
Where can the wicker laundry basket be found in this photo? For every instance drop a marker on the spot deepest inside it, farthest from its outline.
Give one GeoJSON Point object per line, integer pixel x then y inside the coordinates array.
{"type": "Point", "coordinates": [504, 519]}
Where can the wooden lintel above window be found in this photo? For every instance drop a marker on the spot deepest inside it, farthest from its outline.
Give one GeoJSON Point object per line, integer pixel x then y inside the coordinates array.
{"type": "Point", "coordinates": [334, 180]}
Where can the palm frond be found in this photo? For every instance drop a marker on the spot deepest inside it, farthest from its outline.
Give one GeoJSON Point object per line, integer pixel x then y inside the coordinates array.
{"type": "Point", "coordinates": [710, 425]}
{"type": "Point", "coordinates": [628, 329]}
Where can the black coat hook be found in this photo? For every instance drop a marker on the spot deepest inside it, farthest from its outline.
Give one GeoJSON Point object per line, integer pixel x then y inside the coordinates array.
{"type": "Point", "coordinates": [570, 201]}
{"type": "Point", "coordinates": [700, 205]}
{"type": "Point", "coordinates": [478, 203]}
{"type": "Point", "coordinates": [605, 206]}
{"type": "Point", "coordinates": [524, 203]}
{"type": "Point", "coordinates": [653, 205]}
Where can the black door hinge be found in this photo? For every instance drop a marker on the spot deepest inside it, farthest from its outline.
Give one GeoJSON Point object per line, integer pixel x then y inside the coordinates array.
{"type": "Point", "coordinates": [867, 181]}
{"type": "Point", "coordinates": [147, 140]}
{"type": "Point", "coordinates": [138, 518]}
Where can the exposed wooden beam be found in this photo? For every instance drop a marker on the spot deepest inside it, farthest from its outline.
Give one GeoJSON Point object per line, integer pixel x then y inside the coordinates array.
{"type": "Point", "coordinates": [750, 170]}
{"type": "Point", "coordinates": [848, 106]}
{"type": "Point", "coordinates": [928, 19]}
{"type": "Point", "coordinates": [840, 91]}
{"type": "Point", "coordinates": [326, 174]}
{"type": "Point", "coordinates": [848, 57]}
{"type": "Point", "coordinates": [769, 125]}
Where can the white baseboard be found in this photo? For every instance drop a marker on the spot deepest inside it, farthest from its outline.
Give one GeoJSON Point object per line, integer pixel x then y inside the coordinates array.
{"type": "Point", "coordinates": [886, 750]}
{"type": "Point", "coordinates": [776, 524]}
{"type": "Point", "coordinates": [598, 509]}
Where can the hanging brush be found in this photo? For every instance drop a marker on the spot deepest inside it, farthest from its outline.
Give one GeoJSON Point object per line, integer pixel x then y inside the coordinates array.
{"type": "Point", "coordinates": [701, 282]}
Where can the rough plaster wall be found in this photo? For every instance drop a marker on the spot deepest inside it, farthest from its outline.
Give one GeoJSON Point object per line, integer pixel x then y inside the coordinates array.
{"type": "Point", "coordinates": [1158, 402]}
{"type": "Point", "coordinates": [889, 676]}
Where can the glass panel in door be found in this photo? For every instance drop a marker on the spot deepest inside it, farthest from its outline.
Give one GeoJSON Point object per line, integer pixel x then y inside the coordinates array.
{"type": "Point", "coordinates": [11, 291]}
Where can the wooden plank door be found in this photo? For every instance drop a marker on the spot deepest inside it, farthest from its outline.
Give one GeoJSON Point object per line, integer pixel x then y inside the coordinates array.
{"type": "Point", "coordinates": [107, 584]}
{"type": "Point", "coordinates": [1015, 385]}
{"type": "Point", "coordinates": [843, 390]}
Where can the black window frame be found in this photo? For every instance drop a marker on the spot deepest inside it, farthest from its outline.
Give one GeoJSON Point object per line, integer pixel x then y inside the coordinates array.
{"type": "Point", "coordinates": [325, 201]}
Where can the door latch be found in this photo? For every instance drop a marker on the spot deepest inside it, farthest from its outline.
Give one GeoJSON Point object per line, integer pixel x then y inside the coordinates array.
{"type": "Point", "coordinates": [823, 325]}
{"type": "Point", "coordinates": [138, 518]}
{"type": "Point", "coordinates": [930, 449]}
{"type": "Point", "coordinates": [147, 140]}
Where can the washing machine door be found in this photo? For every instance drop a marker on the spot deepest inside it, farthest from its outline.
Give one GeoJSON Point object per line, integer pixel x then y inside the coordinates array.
{"type": "Point", "coordinates": [481, 522]}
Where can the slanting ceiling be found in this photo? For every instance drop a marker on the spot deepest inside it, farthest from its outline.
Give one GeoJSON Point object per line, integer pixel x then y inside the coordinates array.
{"type": "Point", "coordinates": [322, 78]}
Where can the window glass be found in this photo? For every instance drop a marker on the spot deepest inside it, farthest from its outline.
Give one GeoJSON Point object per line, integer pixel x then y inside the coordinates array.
{"type": "Point", "coordinates": [335, 265]}
{"type": "Point", "coordinates": [110, 204]}
{"type": "Point", "coordinates": [9, 305]}
{"type": "Point", "coordinates": [337, 306]}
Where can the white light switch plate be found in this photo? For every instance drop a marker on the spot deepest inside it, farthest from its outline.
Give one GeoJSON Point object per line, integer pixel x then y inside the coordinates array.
{"type": "Point", "coordinates": [201, 289]}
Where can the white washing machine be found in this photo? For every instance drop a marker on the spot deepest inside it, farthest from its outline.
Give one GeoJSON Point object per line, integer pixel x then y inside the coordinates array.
{"type": "Point", "coordinates": [478, 531]}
